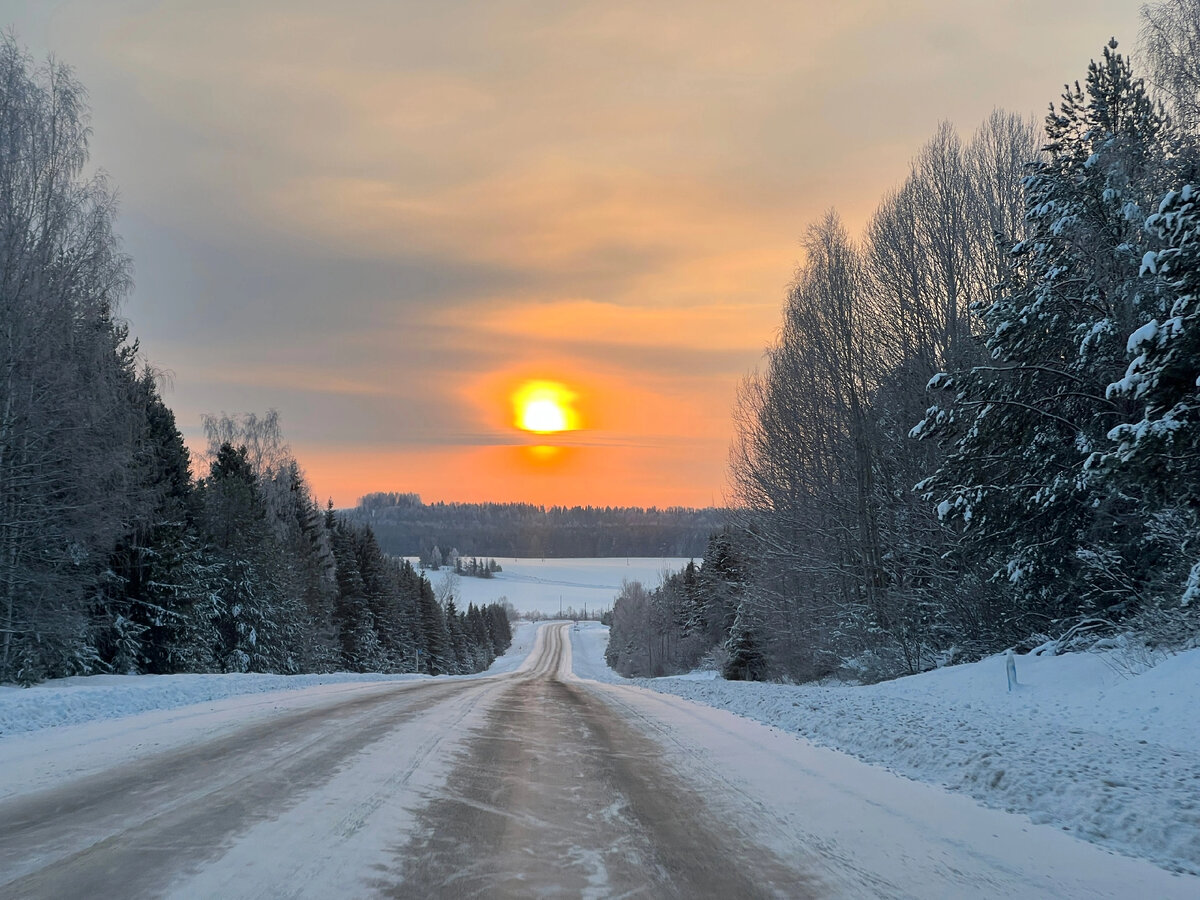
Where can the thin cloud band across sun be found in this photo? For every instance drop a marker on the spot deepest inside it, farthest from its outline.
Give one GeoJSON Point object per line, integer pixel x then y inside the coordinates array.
{"type": "Point", "coordinates": [545, 407]}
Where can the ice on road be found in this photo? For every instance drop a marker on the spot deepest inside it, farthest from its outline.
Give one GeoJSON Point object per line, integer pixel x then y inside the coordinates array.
{"type": "Point", "coordinates": [533, 780]}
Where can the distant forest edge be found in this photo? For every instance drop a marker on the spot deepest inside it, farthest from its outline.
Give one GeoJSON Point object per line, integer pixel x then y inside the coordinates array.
{"type": "Point", "coordinates": [404, 526]}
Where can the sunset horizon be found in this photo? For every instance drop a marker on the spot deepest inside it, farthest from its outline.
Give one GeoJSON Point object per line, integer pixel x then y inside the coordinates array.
{"type": "Point", "coordinates": [381, 222]}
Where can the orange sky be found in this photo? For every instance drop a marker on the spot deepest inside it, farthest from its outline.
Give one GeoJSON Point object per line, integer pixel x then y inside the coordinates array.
{"type": "Point", "coordinates": [381, 217]}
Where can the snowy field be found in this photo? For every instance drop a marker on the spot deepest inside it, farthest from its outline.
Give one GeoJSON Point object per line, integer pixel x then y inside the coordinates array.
{"type": "Point", "coordinates": [546, 585]}
{"type": "Point", "coordinates": [1083, 744]}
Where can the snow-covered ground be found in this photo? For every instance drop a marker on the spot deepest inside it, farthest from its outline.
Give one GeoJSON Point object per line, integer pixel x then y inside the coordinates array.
{"type": "Point", "coordinates": [337, 790]}
{"type": "Point", "coordinates": [71, 701]}
{"type": "Point", "coordinates": [547, 585]}
{"type": "Point", "coordinates": [1065, 745]}
{"type": "Point", "coordinates": [1082, 744]}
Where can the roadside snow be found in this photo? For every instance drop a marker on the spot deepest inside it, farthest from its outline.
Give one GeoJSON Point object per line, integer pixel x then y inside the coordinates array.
{"type": "Point", "coordinates": [71, 701]}
{"type": "Point", "coordinates": [1108, 756]}
{"type": "Point", "coordinates": [524, 636]}
{"type": "Point", "coordinates": [1083, 744]}
{"type": "Point", "coordinates": [588, 643]}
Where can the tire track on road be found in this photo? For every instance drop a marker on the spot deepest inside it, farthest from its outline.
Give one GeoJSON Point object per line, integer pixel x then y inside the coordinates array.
{"type": "Point", "coordinates": [130, 831]}
{"type": "Point", "coordinates": [556, 795]}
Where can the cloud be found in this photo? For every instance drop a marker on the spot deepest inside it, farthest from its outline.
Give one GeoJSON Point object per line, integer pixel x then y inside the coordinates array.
{"type": "Point", "coordinates": [376, 215]}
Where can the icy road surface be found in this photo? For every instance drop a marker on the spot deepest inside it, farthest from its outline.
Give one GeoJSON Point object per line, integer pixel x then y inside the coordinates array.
{"type": "Point", "coordinates": [531, 782]}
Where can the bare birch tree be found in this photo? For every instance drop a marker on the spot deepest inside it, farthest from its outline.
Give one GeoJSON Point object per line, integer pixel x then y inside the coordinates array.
{"type": "Point", "coordinates": [1171, 41]}
{"type": "Point", "coordinates": [67, 422]}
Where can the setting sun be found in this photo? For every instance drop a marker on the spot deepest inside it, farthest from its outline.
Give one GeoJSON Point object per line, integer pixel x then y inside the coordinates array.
{"type": "Point", "coordinates": [545, 407]}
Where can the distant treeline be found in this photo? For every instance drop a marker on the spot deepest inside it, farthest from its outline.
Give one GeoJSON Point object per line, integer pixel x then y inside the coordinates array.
{"type": "Point", "coordinates": [405, 526]}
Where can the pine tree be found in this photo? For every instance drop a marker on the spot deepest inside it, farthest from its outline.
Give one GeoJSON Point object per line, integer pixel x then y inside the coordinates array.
{"type": "Point", "coordinates": [1158, 454]}
{"type": "Point", "coordinates": [1020, 431]}
{"type": "Point", "coordinates": [243, 581]}
{"type": "Point", "coordinates": [155, 613]}
{"type": "Point", "coordinates": [745, 660]}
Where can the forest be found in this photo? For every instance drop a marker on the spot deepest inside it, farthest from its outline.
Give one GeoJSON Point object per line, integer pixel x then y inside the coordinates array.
{"type": "Point", "coordinates": [979, 424]}
{"type": "Point", "coordinates": [114, 556]}
{"type": "Point", "coordinates": [405, 526]}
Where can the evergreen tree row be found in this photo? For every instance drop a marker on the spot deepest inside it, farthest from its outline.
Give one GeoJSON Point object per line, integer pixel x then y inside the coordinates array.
{"type": "Point", "coordinates": [113, 556]}
{"type": "Point", "coordinates": [407, 527]}
{"type": "Point", "coordinates": [673, 627]}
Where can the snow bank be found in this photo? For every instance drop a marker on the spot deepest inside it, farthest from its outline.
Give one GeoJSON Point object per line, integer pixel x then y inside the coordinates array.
{"type": "Point", "coordinates": [71, 701]}
{"type": "Point", "coordinates": [1082, 744]}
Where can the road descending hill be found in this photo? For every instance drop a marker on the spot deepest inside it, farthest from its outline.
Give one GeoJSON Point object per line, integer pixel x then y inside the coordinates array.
{"type": "Point", "coordinates": [529, 782]}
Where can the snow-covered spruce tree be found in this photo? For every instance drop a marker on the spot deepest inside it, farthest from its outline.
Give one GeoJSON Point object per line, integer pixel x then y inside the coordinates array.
{"type": "Point", "coordinates": [1020, 430]}
{"type": "Point", "coordinates": [234, 520]}
{"type": "Point", "coordinates": [459, 645]}
{"type": "Point", "coordinates": [155, 612]}
{"type": "Point", "coordinates": [720, 584]}
{"type": "Point", "coordinates": [392, 616]}
{"type": "Point", "coordinates": [308, 574]}
{"type": "Point", "coordinates": [482, 654]}
{"type": "Point", "coordinates": [360, 646]}
{"type": "Point", "coordinates": [411, 584]}
{"type": "Point", "coordinates": [292, 547]}
{"type": "Point", "coordinates": [1158, 454]}
{"type": "Point", "coordinates": [499, 626]}
{"type": "Point", "coordinates": [744, 657]}
{"type": "Point", "coordinates": [437, 656]}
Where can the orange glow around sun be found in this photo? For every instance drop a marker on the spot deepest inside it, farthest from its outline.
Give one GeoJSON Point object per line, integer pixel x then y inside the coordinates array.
{"type": "Point", "coordinates": [544, 407]}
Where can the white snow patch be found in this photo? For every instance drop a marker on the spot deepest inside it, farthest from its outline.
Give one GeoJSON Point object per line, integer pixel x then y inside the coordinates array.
{"type": "Point", "coordinates": [1143, 335]}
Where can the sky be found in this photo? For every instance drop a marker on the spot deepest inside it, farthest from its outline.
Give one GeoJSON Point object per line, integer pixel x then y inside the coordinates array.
{"type": "Point", "coordinates": [381, 218]}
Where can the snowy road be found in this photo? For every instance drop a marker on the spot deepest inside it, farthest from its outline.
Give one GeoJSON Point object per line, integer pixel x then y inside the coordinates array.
{"type": "Point", "coordinates": [530, 783]}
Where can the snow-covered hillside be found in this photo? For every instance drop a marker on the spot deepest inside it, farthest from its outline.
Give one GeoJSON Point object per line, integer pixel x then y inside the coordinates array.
{"type": "Point", "coordinates": [1083, 743]}
{"type": "Point", "coordinates": [548, 585]}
